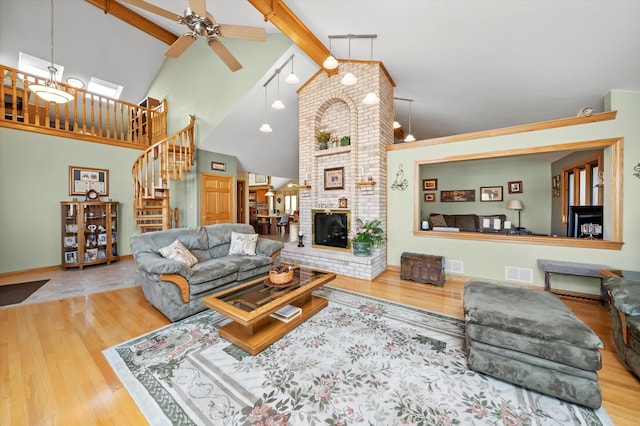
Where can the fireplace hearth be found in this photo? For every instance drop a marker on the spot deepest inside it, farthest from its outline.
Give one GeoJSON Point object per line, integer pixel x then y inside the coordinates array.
{"type": "Point", "coordinates": [330, 229]}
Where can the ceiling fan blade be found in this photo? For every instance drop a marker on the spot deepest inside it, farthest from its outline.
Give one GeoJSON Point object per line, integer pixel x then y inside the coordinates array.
{"type": "Point", "coordinates": [199, 7]}
{"type": "Point", "coordinates": [180, 45]}
{"type": "Point", "coordinates": [154, 9]}
{"type": "Point", "coordinates": [243, 32]}
{"type": "Point", "coordinates": [224, 54]}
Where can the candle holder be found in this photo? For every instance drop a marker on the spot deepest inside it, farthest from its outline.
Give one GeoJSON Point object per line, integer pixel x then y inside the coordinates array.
{"type": "Point", "coordinates": [300, 237]}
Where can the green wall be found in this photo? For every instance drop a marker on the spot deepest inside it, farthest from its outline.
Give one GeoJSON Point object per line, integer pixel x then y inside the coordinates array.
{"type": "Point", "coordinates": [199, 83]}
{"type": "Point", "coordinates": [488, 259]}
{"type": "Point", "coordinates": [34, 178]}
{"type": "Point", "coordinates": [474, 174]}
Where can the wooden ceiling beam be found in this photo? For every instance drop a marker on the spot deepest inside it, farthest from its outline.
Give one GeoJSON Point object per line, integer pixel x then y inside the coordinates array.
{"type": "Point", "coordinates": [127, 15]}
{"type": "Point", "coordinates": [286, 21]}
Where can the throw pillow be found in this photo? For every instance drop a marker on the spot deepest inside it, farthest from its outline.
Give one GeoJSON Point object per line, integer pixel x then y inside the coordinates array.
{"type": "Point", "coordinates": [437, 220]}
{"type": "Point", "coordinates": [243, 244]}
{"type": "Point", "coordinates": [177, 251]}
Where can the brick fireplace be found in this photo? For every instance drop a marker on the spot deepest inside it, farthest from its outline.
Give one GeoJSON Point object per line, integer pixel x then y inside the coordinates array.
{"type": "Point", "coordinates": [325, 105]}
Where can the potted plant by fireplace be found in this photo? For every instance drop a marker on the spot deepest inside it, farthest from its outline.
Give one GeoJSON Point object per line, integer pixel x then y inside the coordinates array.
{"type": "Point", "coordinates": [323, 139]}
{"type": "Point", "coordinates": [365, 236]}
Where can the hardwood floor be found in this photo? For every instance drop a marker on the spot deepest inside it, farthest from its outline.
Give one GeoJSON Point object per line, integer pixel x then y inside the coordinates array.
{"type": "Point", "coordinates": [53, 371]}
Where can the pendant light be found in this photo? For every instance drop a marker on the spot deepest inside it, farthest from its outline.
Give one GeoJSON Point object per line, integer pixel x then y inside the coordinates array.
{"type": "Point", "coordinates": [51, 91]}
{"type": "Point", "coordinates": [292, 78]}
{"type": "Point", "coordinates": [277, 104]}
{"type": "Point", "coordinates": [396, 123]}
{"type": "Point", "coordinates": [409, 137]}
{"type": "Point", "coordinates": [330, 63]}
{"type": "Point", "coordinates": [371, 98]}
{"type": "Point", "coordinates": [265, 128]}
{"type": "Point", "coordinates": [349, 79]}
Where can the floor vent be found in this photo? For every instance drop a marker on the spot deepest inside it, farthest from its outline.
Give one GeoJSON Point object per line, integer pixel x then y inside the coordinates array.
{"type": "Point", "coordinates": [453, 266]}
{"type": "Point", "coordinates": [523, 275]}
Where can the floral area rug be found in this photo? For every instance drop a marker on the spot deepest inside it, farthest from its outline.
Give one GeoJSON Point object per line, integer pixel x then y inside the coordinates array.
{"type": "Point", "coordinates": [360, 361]}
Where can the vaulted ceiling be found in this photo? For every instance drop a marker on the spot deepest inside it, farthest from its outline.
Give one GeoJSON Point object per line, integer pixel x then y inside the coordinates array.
{"type": "Point", "coordinates": [468, 64]}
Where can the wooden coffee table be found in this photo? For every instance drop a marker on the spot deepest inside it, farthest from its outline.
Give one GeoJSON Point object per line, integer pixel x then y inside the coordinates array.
{"type": "Point", "coordinates": [250, 304]}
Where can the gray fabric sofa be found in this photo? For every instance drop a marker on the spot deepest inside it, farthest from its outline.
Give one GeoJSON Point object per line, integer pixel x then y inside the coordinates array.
{"type": "Point", "coordinates": [176, 289]}
{"type": "Point", "coordinates": [624, 306]}
{"type": "Point", "coordinates": [532, 339]}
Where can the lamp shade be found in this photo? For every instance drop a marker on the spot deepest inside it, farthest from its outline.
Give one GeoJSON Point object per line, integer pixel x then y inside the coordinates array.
{"type": "Point", "coordinates": [349, 79]}
{"type": "Point", "coordinates": [515, 205]}
{"type": "Point", "coordinates": [371, 99]}
{"type": "Point", "coordinates": [330, 63]}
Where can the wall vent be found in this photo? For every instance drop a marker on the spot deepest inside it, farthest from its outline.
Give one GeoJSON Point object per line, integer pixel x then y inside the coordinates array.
{"type": "Point", "coordinates": [453, 266]}
{"type": "Point", "coordinates": [523, 275]}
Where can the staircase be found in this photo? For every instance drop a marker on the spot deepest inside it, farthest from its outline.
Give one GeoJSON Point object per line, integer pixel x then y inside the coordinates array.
{"type": "Point", "coordinates": [167, 160]}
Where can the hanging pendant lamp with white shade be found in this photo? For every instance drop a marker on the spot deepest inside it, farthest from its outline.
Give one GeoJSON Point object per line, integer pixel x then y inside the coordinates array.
{"type": "Point", "coordinates": [292, 78]}
{"type": "Point", "coordinates": [330, 63]}
{"type": "Point", "coordinates": [410, 137]}
{"type": "Point", "coordinates": [51, 91]}
{"type": "Point", "coordinates": [349, 79]}
{"type": "Point", "coordinates": [371, 98]}
{"type": "Point", "coordinates": [265, 128]}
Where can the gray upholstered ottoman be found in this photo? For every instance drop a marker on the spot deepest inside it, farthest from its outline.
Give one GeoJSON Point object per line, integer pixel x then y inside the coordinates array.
{"type": "Point", "coordinates": [532, 339]}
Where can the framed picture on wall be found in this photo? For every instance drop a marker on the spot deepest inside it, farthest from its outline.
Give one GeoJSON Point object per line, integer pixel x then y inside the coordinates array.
{"type": "Point", "coordinates": [84, 179]}
{"type": "Point", "coordinates": [429, 184]}
{"type": "Point", "coordinates": [458, 195]}
{"type": "Point", "coordinates": [491, 193]}
{"type": "Point", "coordinates": [515, 187]}
{"type": "Point", "coordinates": [334, 178]}
{"type": "Point", "coordinates": [430, 197]}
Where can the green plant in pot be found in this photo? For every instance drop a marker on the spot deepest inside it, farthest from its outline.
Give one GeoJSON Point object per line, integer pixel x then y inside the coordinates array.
{"type": "Point", "coordinates": [323, 139]}
{"type": "Point", "coordinates": [345, 141]}
{"type": "Point", "coordinates": [365, 236]}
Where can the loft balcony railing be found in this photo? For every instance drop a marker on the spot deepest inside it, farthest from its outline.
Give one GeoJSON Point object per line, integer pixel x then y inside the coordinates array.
{"type": "Point", "coordinates": [88, 116]}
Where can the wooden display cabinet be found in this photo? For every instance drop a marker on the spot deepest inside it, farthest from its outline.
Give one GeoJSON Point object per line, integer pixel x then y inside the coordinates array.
{"type": "Point", "coordinates": [89, 233]}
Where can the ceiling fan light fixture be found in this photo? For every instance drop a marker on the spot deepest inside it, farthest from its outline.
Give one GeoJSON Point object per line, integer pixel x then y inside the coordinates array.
{"type": "Point", "coordinates": [371, 99]}
{"type": "Point", "coordinates": [51, 91]}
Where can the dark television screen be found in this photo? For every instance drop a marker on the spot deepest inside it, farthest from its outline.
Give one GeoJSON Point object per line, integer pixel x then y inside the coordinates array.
{"type": "Point", "coordinates": [585, 215]}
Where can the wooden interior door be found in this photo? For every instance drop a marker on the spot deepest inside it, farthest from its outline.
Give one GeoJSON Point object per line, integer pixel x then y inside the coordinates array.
{"type": "Point", "coordinates": [216, 199]}
{"type": "Point", "coordinates": [241, 202]}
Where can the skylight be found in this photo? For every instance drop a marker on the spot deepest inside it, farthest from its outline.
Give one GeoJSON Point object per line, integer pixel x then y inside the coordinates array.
{"type": "Point", "coordinates": [36, 66]}
{"type": "Point", "coordinates": [104, 88]}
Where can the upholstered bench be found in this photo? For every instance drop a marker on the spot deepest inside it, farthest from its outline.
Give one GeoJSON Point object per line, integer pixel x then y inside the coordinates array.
{"type": "Point", "coordinates": [572, 268]}
{"type": "Point", "coordinates": [532, 339]}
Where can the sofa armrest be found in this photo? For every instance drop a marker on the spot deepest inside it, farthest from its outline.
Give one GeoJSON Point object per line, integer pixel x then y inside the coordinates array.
{"type": "Point", "coordinates": [625, 294]}
{"type": "Point", "coordinates": [269, 248]}
{"type": "Point", "coordinates": [181, 283]}
{"type": "Point", "coordinates": [151, 263]}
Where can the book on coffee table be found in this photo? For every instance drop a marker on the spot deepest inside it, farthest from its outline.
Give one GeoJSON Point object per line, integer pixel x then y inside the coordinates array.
{"type": "Point", "coordinates": [287, 313]}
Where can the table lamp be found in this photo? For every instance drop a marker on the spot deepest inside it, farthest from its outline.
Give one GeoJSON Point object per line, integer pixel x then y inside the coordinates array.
{"type": "Point", "coordinates": [516, 205]}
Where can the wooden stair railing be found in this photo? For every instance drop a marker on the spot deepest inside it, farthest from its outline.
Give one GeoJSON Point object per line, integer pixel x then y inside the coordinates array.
{"type": "Point", "coordinates": [167, 160]}
{"type": "Point", "coordinates": [88, 117]}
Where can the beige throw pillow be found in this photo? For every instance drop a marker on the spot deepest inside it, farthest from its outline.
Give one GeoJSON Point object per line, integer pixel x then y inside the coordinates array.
{"type": "Point", "coordinates": [177, 251]}
{"type": "Point", "coordinates": [243, 244]}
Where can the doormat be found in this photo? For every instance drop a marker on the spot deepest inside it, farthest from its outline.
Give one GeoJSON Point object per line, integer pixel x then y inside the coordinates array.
{"type": "Point", "coordinates": [13, 294]}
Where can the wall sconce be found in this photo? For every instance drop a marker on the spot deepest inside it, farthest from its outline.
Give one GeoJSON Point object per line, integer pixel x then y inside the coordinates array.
{"type": "Point", "coordinates": [265, 128]}
{"type": "Point", "coordinates": [371, 98]}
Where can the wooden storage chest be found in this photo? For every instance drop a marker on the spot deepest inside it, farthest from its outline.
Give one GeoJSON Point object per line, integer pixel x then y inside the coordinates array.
{"type": "Point", "coordinates": [422, 268]}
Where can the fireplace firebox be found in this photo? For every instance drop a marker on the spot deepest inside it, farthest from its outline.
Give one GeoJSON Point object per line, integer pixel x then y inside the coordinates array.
{"type": "Point", "coordinates": [330, 229]}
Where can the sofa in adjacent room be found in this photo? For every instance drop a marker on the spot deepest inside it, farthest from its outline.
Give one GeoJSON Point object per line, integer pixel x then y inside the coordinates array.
{"type": "Point", "coordinates": [466, 222]}
{"type": "Point", "coordinates": [179, 267]}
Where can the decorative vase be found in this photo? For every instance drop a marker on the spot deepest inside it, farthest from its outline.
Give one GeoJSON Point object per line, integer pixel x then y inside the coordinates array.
{"type": "Point", "coordinates": [345, 141]}
{"type": "Point", "coordinates": [361, 248]}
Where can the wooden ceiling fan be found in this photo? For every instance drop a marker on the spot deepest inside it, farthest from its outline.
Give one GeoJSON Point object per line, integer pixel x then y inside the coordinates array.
{"type": "Point", "coordinates": [201, 23]}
